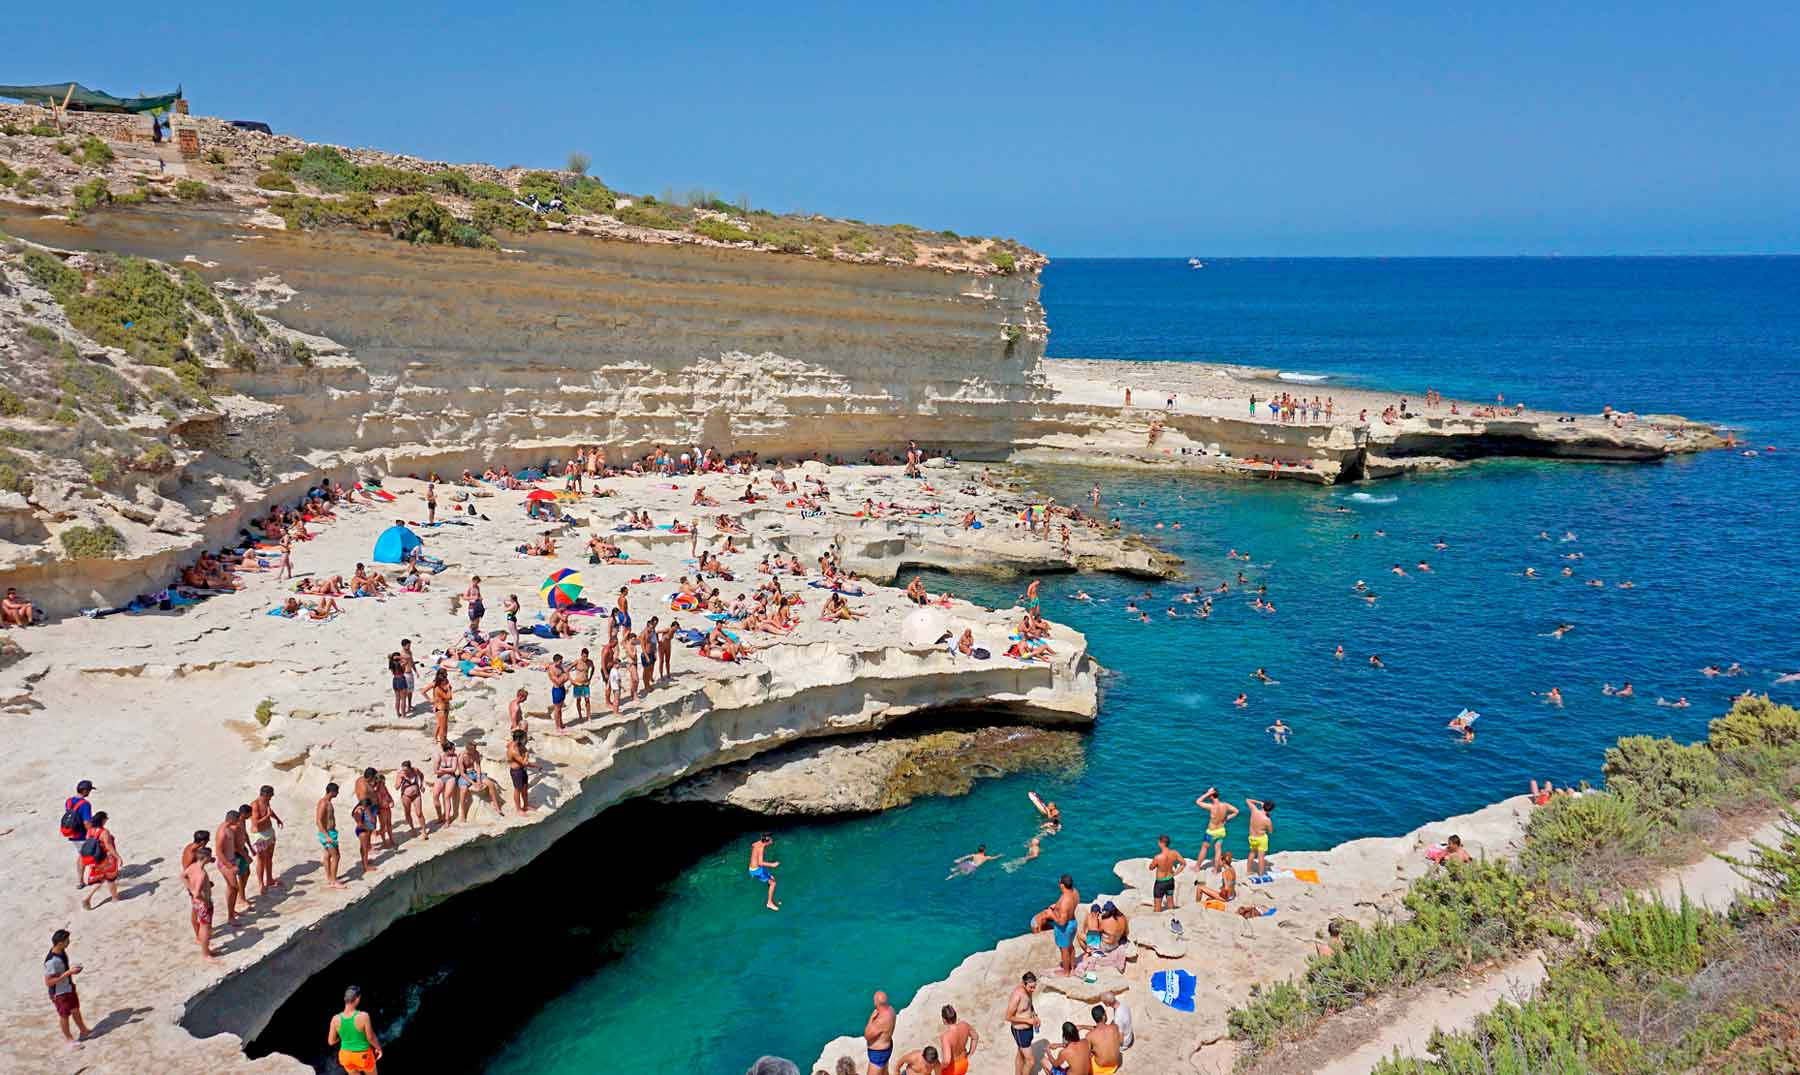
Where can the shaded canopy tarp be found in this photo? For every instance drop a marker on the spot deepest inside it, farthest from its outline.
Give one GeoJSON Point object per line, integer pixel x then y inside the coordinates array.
{"type": "Point", "coordinates": [393, 545]}
{"type": "Point", "coordinates": [86, 100]}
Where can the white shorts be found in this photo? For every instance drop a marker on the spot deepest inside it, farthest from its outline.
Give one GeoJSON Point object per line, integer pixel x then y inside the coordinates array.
{"type": "Point", "coordinates": [617, 677]}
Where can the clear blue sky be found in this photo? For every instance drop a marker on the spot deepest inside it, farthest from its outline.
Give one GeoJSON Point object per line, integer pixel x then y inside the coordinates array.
{"type": "Point", "coordinates": [1082, 129]}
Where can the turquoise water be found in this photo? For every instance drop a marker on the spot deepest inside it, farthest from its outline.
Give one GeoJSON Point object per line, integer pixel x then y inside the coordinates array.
{"type": "Point", "coordinates": [638, 946]}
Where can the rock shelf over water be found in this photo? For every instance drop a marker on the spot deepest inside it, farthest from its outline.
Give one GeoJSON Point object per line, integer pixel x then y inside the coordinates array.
{"type": "Point", "coordinates": [178, 716]}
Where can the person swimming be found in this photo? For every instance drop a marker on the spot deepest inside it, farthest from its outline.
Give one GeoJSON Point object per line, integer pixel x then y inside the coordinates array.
{"type": "Point", "coordinates": [1279, 731]}
{"type": "Point", "coordinates": [968, 864]}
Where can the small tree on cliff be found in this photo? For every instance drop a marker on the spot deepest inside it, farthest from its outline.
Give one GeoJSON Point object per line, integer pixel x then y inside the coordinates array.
{"type": "Point", "coordinates": [578, 162]}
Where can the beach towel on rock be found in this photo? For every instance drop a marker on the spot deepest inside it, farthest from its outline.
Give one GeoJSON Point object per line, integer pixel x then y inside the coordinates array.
{"type": "Point", "coordinates": [1174, 988]}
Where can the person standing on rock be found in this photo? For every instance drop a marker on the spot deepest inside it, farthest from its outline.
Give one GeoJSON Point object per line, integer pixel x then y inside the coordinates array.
{"type": "Point", "coordinates": [325, 819]}
{"type": "Point", "coordinates": [1218, 813]}
{"type": "Point", "coordinates": [263, 820]}
{"type": "Point", "coordinates": [518, 762]}
{"type": "Point", "coordinates": [353, 1032]}
{"type": "Point", "coordinates": [761, 864]}
{"type": "Point", "coordinates": [1164, 867]}
{"type": "Point", "coordinates": [200, 901]}
{"type": "Point", "coordinates": [430, 503]}
{"type": "Point", "coordinates": [956, 1042]}
{"type": "Point", "coordinates": [476, 609]}
{"type": "Point", "coordinates": [225, 845]}
{"type": "Point", "coordinates": [1260, 827]}
{"type": "Point", "coordinates": [1060, 918]}
{"type": "Point", "coordinates": [878, 1034]}
{"type": "Point", "coordinates": [581, 675]}
{"type": "Point", "coordinates": [1022, 1019]}
{"type": "Point", "coordinates": [559, 688]}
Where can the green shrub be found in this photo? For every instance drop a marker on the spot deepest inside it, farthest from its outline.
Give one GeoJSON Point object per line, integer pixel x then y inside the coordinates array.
{"type": "Point", "coordinates": [134, 305]}
{"type": "Point", "coordinates": [239, 357]}
{"type": "Point", "coordinates": [417, 218]}
{"type": "Point", "coordinates": [1664, 776]}
{"type": "Point", "coordinates": [722, 230]}
{"type": "Point", "coordinates": [95, 152]}
{"type": "Point", "coordinates": [216, 156]}
{"type": "Point", "coordinates": [155, 458]}
{"type": "Point", "coordinates": [589, 195]}
{"type": "Point", "coordinates": [91, 195]}
{"type": "Point", "coordinates": [1003, 261]}
{"type": "Point", "coordinates": [540, 185]}
{"type": "Point", "coordinates": [1464, 915]}
{"type": "Point", "coordinates": [11, 406]}
{"type": "Point", "coordinates": [647, 216]}
{"type": "Point", "coordinates": [453, 181]}
{"type": "Point", "coordinates": [50, 273]}
{"type": "Point", "coordinates": [15, 474]}
{"type": "Point", "coordinates": [265, 710]}
{"type": "Point", "coordinates": [67, 149]}
{"type": "Point", "coordinates": [44, 130]}
{"type": "Point", "coordinates": [1600, 840]}
{"type": "Point", "coordinates": [192, 190]}
{"type": "Point", "coordinates": [494, 214]}
{"type": "Point", "coordinates": [579, 162]}
{"type": "Point", "coordinates": [329, 170]}
{"type": "Point", "coordinates": [90, 543]}
{"type": "Point", "coordinates": [100, 468]}
{"type": "Point", "coordinates": [92, 386]}
{"type": "Point", "coordinates": [285, 161]}
{"type": "Point", "coordinates": [383, 179]}
{"type": "Point", "coordinates": [195, 291]}
{"type": "Point", "coordinates": [131, 197]}
{"type": "Point", "coordinates": [276, 181]}
{"type": "Point", "coordinates": [1754, 723]}
{"type": "Point", "coordinates": [43, 334]}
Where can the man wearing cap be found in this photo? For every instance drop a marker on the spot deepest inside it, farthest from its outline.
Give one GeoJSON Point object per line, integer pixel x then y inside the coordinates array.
{"type": "Point", "coordinates": [353, 1032]}
{"type": "Point", "coordinates": [59, 978]}
{"type": "Point", "coordinates": [84, 812]}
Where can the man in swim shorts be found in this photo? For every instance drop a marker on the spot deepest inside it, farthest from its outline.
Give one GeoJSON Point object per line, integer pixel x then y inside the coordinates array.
{"type": "Point", "coordinates": [761, 865]}
{"type": "Point", "coordinates": [580, 674]}
{"type": "Point", "coordinates": [263, 820]}
{"type": "Point", "coordinates": [1106, 1042]}
{"type": "Point", "coordinates": [559, 688]}
{"type": "Point", "coordinates": [1218, 812]}
{"type": "Point", "coordinates": [1260, 827]}
{"type": "Point", "coordinates": [1073, 1057]}
{"type": "Point", "coordinates": [1022, 1020]}
{"type": "Point", "coordinates": [1164, 867]}
{"type": "Point", "coordinates": [956, 1042]}
{"type": "Point", "coordinates": [353, 1032]}
{"type": "Point", "coordinates": [1059, 917]}
{"type": "Point", "coordinates": [878, 1034]}
{"type": "Point", "coordinates": [325, 818]}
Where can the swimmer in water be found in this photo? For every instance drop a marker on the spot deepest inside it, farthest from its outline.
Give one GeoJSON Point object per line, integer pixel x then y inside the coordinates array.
{"type": "Point", "coordinates": [1568, 535]}
{"type": "Point", "coordinates": [1398, 570]}
{"type": "Point", "coordinates": [1553, 696]}
{"type": "Point", "coordinates": [1531, 573]}
{"type": "Point", "coordinates": [1131, 606]}
{"type": "Point", "coordinates": [1627, 584]}
{"type": "Point", "coordinates": [1679, 703]}
{"type": "Point", "coordinates": [1381, 533]}
{"type": "Point", "coordinates": [1423, 566]}
{"type": "Point", "coordinates": [1440, 544]}
{"type": "Point", "coordinates": [1711, 670]}
{"type": "Point", "coordinates": [1597, 584]}
{"type": "Point", "coordinates": [1143, 617]}
{"type": "Point", "coordinates": [1463, 725]}
{"type": "Point", "coordinates": [1360, 586]}
{"type": "Point", "coordinates": [1172, 613]}
{"type": "Point", "coordinates": [1544, 535]}
{"type": "Point", "coordinates": [1279, 731]}
{"type": "Point", "coordinates": [1338, 654]}
{"type": "Point", "coordinates": [1561, 630]}
{"type": "Point", "coordinates": [1567, 571]}
{"type": "Point", "coordinates": [968, 864]}
{"type": "Point", "coordinates": [1081, 595]}
{"type": "Point", "coordinates": [1264, 676]}
{"type": "Point", "coordinates": [1375, 661]}
{"type": "Point", "coordinates": [1243, 701]}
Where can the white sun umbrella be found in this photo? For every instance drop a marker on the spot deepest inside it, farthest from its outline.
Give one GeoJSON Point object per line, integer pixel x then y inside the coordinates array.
{"type": "Point", "coordinates": [921, 629]}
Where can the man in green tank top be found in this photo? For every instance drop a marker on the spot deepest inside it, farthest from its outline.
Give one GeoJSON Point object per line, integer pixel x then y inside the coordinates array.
{"type": "Point", "coordinates": [353, 1032]}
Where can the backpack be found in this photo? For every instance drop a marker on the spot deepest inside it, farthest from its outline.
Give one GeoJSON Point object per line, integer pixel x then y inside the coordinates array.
{"type": "Point", "coordinates": [93, 852]}
{"type": "Point", "coordinates": [73, 827]}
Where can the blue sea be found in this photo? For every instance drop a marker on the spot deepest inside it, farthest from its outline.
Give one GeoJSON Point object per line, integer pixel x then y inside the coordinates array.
{"type": "Point", "coordinates": [638, 946]}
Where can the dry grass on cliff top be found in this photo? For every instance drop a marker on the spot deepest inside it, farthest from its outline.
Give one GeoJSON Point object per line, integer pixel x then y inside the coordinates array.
{"type": "Point", "coordinates": [432, 202]}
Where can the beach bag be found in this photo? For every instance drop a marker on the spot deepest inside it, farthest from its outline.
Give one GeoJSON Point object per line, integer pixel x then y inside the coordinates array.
{"type": "Point", "coordinates": [73, 828]}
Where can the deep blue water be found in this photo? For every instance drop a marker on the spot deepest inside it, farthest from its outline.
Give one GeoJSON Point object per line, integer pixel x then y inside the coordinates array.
{"type": "Point", "coordinates": [676, 967]}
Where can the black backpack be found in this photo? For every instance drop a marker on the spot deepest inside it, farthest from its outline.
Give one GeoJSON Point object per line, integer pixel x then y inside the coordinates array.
{"type": "Point", "coordinates": [93, 851]}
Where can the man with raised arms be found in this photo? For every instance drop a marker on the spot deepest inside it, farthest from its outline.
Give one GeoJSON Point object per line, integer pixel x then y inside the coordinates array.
{"type": "Point", "coordinates": [1218, 812]}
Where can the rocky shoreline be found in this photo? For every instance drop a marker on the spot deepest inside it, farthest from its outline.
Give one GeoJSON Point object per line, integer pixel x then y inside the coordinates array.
{"type": "Point", "coordinates": [1361, 880]}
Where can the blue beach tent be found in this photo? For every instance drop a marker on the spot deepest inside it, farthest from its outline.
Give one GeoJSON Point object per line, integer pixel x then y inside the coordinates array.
{"type": "Point", "coordinates": [393, 545]}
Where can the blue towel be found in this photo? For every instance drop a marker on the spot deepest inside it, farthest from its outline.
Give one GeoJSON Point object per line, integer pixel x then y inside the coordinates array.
{"type": "Point", "coordinates": [1174, 988]}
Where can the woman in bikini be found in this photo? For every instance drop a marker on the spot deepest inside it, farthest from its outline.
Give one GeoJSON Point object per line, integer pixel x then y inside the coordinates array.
{"type": "Point", "coordinates": [412, 796]}
{"type": "Point", "coordinates": [397, 677]}
{"type": "Point", "coordinates": [439, 693]}
{"type": "Point", "coordinates": [384, 811]}
{"type": "Point", "coordinates": [444, 796]}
